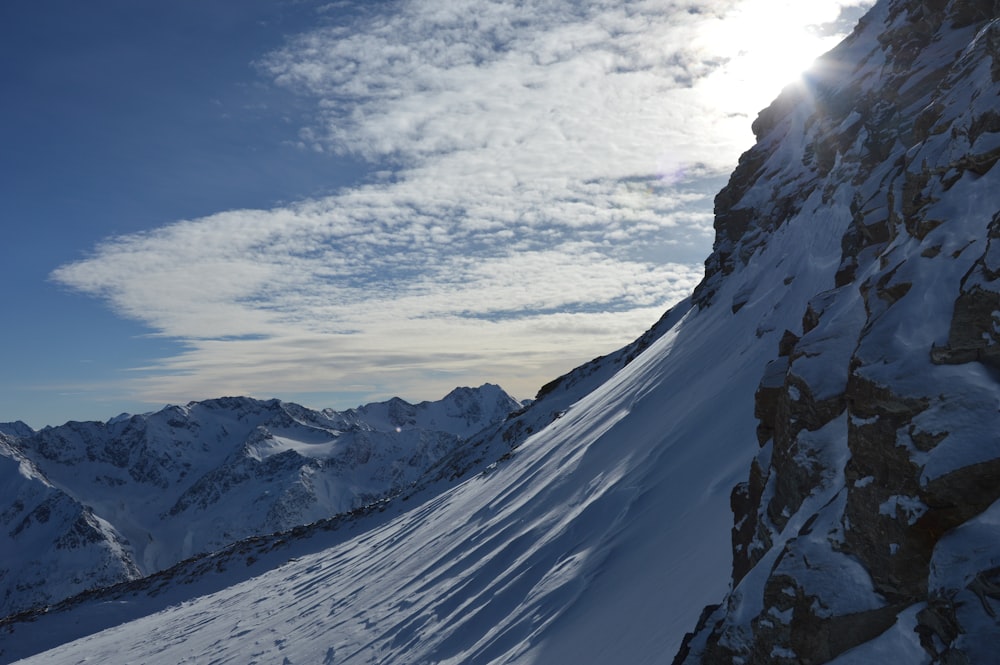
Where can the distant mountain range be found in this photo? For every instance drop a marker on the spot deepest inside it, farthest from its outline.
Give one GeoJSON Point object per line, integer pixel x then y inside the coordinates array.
{"type": "Point", "coordinates": [799, 464]}
{"type": "Point", "coordinates": [89, 504]}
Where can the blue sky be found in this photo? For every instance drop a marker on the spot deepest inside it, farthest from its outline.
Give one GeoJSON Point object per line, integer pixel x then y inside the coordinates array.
{"type": "Point", "coordinates": [334, 202]}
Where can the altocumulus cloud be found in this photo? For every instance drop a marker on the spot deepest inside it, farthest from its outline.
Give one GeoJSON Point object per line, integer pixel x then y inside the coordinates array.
{"type": "Point", "coordinates": [545, 168]}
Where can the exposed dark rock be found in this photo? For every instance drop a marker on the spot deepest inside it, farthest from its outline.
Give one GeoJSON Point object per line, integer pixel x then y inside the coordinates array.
{"type": "Point", "coordinates": [751, 539]}
{"type": "Point", "coordinates": [906, 145]}
{"type": "Point", "coordinates": [974, 332]}
{"type": "Point", "coordinates": [962, 627]}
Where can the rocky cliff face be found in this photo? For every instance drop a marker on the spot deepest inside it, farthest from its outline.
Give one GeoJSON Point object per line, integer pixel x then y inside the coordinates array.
{"type": "Point", "coordinates": [86, 505]}
{"type": "Point", "coordinates": [869, 516]}
{"type": "Point", "coordinates": [839, 358]}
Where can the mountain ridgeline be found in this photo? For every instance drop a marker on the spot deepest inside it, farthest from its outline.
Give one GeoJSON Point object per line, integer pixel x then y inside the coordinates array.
{"type": "Point", "coordinates": [90, 504]}
{"type": "Point", "coordinates": [798, 464]}
{"type": "Point", "coordinates": [871, 507]}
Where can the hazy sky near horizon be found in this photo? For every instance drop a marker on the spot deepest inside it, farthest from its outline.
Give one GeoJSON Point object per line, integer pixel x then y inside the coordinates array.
{"type": "Point", "coordinates": [336, 202]}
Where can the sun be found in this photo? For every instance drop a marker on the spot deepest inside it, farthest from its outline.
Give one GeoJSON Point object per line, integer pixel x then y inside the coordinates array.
{"type": "Point", "coordinates": [763, 46]}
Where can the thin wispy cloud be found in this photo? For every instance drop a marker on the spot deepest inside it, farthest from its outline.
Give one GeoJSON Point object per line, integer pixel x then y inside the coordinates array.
{"type": "Point", "coordinates": [540, 190]}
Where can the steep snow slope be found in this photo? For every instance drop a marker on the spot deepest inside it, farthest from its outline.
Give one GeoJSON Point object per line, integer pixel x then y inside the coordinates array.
{"type": "Point", "coordinates": [158, 488]}
{"type": "Point", "coordinates": [869, 517]}
{"type": "Point", "coordinates": [56, 529]}
{"type": "Point", "coordinates": [852, 289]}
{"type": "Point", "coordinates": [601, 538]}
{"type": "Point", "coordinates": [488, 569]}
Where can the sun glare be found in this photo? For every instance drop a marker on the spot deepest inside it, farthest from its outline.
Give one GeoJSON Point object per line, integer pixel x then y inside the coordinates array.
{"type": "Point", "coordinates": [766, 45]}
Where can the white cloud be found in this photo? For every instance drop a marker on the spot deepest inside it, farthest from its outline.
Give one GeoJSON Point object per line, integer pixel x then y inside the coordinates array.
{"type": "Point", "coordinates": [550, 168]}
{"type": "Point", "coordinates": [531, 90]}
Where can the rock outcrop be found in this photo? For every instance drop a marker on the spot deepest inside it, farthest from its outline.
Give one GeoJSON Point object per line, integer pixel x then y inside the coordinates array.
{"type": "Point", "coordinates": [870, 507]}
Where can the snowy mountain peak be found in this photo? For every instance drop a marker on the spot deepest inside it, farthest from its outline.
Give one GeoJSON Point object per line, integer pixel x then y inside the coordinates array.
{"type": "Point", "coordinates": [16, 428]}
{"type": "Point", "coordinates": [806, 448]}
{"type": "Point", "coordinates": [462, 412]}
{"type": "Point", "coordinates": [56, 546]}
{"type": "Point", "coordinates": [147, 491]}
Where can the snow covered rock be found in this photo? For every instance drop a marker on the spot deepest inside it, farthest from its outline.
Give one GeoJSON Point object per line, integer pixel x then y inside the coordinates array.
{"type": "Point", "coordinates": [16, 429]}
{"type": "Point", "coordinates": [840, 349]}
{"type": "Point", "coordinates": [54, 546]}
{"type": "Point", "coordinates": [879, 441]}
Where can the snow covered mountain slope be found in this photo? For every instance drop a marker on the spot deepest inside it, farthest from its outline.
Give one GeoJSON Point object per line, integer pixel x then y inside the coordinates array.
{"type": "Point", "coordinates": [462, 412]}
{"type": "Point", "coordinates": [16, 429]}
{"type": "Point", "coordinates": [870, 508]}
{"type": "Point", "coordinates": [842, 348]}
{"type": "Point", "coordinates": [492, 567]}
{"type": "Point", "coordinates": [58, 531]}
{"type": "Point", "coordinates": [600, 538]}
{"type": "Point", "coordinates": [159, 488]}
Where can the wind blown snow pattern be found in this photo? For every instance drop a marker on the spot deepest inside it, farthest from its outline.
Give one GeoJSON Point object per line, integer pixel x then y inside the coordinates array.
{"type": "Point", "coordinates": [595, 525]}
{"type": "Point", "coordinates": [599, 540]}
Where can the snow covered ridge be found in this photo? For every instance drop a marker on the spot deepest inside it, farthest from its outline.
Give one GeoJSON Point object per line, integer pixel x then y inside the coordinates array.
{"type": "Point", "coordinates": [837, 366]}
{"type": "Point", "coordinates": [90, 504]}
{"type": "Point", "coordinates": [867, 529]}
